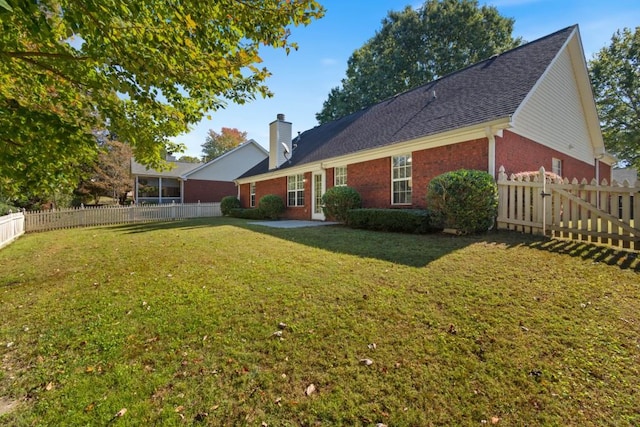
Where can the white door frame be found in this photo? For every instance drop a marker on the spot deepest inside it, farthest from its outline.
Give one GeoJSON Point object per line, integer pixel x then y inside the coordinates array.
{"type": "Point", "coordinates": [319, 216]}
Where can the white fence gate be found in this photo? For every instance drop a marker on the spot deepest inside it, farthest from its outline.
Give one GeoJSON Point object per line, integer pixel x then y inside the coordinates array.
{"type": "Point", "coordinates": [11, 227]}
{"type": "Point", "coordinates": [599, 213]}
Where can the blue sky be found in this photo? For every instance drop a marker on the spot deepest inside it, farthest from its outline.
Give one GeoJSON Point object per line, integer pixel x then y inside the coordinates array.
{"type": "Point", "coordinates": [302, 80]}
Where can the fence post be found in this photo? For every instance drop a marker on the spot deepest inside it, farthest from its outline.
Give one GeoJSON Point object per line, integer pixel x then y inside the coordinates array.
{"type": "Point", "coordinates": [544, 194]}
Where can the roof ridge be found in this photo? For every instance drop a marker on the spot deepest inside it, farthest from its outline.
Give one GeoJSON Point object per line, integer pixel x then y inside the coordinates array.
{"type": "Point", "coordinates": [475, 64]}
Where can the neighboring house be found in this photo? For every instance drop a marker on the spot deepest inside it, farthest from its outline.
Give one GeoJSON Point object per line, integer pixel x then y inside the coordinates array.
{"type": "Point", "coordinates": [529, 107]}
{"type": "Point", "coordinates": [625, 174]}
{"type": "Point", "coordinates": [196, 182]}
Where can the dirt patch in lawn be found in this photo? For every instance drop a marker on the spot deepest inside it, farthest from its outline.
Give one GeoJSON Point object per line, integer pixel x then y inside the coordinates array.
{"type": "Point", "coordinates": [7, 405]}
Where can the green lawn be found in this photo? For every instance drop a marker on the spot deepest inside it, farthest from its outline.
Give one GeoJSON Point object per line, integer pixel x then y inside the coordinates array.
{"type": "Point", "coordinates": [173, 324]}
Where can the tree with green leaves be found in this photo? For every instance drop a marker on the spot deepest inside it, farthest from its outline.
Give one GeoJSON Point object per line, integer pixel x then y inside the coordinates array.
{"type": "Point", "coordinates": [416, 46]}
{"type": "Point", "coordinates": [217, 144]}
{"type": "Point", "coordinates": [189, 159]}
{"type": "Point", "coordinates": [141, 71]}
{"type": "Point", "coordinates": [615, 75]}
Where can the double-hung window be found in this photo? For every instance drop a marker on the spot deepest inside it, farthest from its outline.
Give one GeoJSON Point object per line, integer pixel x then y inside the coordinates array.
{"type": "Point", "coordinates": [401, 179]}
{"type": "Point", "coordinates": [295, 190]}
{"type": "Point", "coordinates": [252, 194]}
{"type": "Point", "coordinates": [340, 176]}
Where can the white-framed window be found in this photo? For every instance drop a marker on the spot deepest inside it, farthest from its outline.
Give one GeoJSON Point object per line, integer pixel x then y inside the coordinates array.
{"type": "Point", "coordinates": [401, 179]}
{"type": "Point", "coordinates": [295, 190]}
{"type": "Point", "coordinates": [556, 166]}
{"type": "Point", "coordinates": [252, 194]}
{"type": "Point", "coordinates": [340, 176]}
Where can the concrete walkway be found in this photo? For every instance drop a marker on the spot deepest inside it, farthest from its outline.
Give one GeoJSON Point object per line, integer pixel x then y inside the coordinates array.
{"type": "Point", "coordinates": [292, 223]}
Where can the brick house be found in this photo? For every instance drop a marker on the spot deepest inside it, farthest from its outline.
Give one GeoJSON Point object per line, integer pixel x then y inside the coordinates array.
{"type": "Point", "coordinates": [528, 107]}
{"type": "Point", "coordinates": [196, 182]}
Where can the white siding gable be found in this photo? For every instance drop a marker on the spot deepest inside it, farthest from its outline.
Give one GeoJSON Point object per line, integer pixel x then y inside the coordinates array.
{"type": "Point", "coordinates": [232, 164]}
{"type": "Point", "coordinates": [553, 112]}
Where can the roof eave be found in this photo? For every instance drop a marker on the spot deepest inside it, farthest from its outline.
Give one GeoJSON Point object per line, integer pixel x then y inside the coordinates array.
{"type": "Point", "coordinates": [453, 136]}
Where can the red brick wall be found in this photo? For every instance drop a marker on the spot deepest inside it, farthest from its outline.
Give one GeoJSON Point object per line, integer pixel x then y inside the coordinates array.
{"type": "Point", "coordinates": [207, 191]}
{"type": "Point", "coordinates": [428, 164]}
{"type": "Point", "coordinates": [329, 177]}
{"type": "Point", "coordinates": [605, 172]}
{"type": "Point", "coordinates": [278, 186]}
{"type": "Point", "coordinates": [244, 196]}
{"type": "Point", "coordinates": [372, 180]}
{"type": "Point", "coordinates": [519, 154]}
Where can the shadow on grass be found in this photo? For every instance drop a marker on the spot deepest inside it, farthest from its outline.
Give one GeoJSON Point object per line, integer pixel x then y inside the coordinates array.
{"type": "Point", "coordinates": [404, 249]}
{"type": "Point", "coordinates": [189, 224]}
{"type": "Point", "coordinates": [420, 250]}
{"type": "Point", "coordinates": [590, 252]}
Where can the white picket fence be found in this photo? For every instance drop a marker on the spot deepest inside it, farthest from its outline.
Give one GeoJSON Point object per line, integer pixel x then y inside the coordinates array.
{"type": "Point", "coordinates": [599, 213]}
{"type": "Point", "coordinates": [87, 216]}
{"type": "Point", "coordinates": [11, 227]}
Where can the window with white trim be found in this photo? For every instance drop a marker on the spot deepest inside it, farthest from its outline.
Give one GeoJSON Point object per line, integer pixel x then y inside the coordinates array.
{"type": "Point", "coordinates": [556, 166]}
{"type": "Point", "coordinates": [252, 194]}
{"type": "Point", "coordinates": [340, 176]}
{"type": "Point", "coordinates": [295, 190]}
{"type": "Point", "coordinates": [401, 179]}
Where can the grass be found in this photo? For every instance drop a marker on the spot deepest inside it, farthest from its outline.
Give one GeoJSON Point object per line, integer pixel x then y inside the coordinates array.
{"type": "Point", "coordinates": [174, 322]}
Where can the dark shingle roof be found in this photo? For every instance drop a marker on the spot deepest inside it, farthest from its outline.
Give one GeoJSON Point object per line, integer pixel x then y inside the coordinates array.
{"type": "Point", "coordinates": [482, 92]}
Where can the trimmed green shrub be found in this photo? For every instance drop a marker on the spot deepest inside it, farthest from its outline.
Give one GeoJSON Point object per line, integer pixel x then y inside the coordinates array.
{"type": "Point", "coordinates": [5, 208]}
{"type": "Point", "coordinates": [251, 213]}
{"type": "Point", "coordinates": [466, 200]}
{"type": "Point", "coordinates": [397, 220]}
{"type": "Point", "coordinates": [227, 203]}
{"type": "Point", "coordinates": [337, 201]}
{"type": "Point", "coordinates": [271, 206]}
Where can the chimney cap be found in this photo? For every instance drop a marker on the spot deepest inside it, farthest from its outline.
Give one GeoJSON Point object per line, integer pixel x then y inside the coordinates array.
{"type": "Point", "coordinates": [280, 116]}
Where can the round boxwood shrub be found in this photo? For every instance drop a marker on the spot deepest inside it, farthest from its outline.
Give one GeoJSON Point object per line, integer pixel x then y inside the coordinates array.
{"type": "Point", "coordinates": [271, 206]}
{"type": "Point", "coordinates": [466, 200]}
{"type": "Point", "coordinates": [338, 200]}
{"type": "Point", "coordinates": [227, 203]}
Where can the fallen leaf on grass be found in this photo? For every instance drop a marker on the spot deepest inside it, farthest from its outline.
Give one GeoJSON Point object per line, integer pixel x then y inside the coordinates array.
{"type": "Point", "coordinates": [311, 388]}
{"type": "Point", "coordinates": [179, 408]}
{"type": "Point", "coordinates": [49, 386]}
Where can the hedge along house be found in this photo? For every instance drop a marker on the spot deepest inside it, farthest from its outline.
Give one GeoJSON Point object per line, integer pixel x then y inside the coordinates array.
{"type": "Point", "coordinates": [528, 107]}
{"type": "Point", "coordinates": [196, 182]}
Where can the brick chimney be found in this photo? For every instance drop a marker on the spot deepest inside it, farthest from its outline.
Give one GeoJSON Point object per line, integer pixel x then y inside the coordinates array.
{"type": "Point", "coordinates": [279, 134]}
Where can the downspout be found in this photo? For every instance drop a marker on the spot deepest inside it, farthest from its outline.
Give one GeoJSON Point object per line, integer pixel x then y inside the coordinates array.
{"type": "Point", "coordinates": [491, 166]}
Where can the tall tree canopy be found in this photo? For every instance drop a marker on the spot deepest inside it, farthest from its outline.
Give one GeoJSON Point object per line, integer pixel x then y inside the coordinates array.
{"type": "Point", "coordinates": [110, 175]}
{"type": "Point", "coordinates": [141, 70]}
{"type": "Point", "coordinates": [415, 47]}
{"type": "Point", "coordinates": [217, 144]}
{"type": "Point", "coordinates": [615, 75]}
